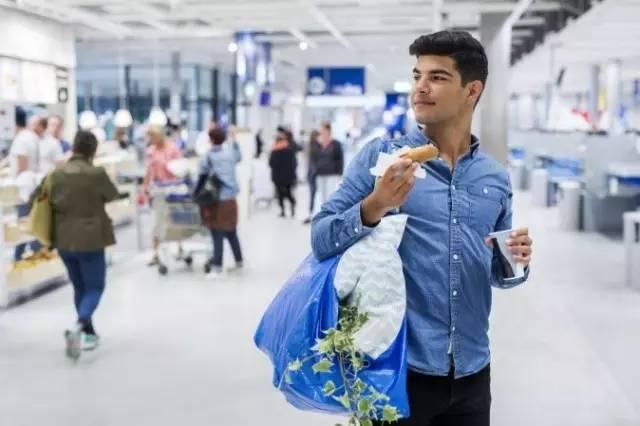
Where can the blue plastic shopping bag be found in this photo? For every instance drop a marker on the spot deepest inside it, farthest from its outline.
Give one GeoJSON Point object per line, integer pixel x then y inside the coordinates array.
{"type": "Point", "coordinates": [306, 306]}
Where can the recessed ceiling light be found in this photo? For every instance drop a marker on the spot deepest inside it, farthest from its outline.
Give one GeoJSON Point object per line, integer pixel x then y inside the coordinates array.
{"type": "Point", "coordinates": [233, 47]}
{"type": "Point", "coordinates": [303, 45]}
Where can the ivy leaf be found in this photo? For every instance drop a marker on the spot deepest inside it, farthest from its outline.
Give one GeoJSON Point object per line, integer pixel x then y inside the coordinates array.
{"type": "Point", "coordinates": [359, 386]}
{"type": "Point", "coordinates": [329, 388]}
{"type": "Point", "coordinates": [389, 414]}
{"type": "Point", "coordinates": [366, 422]}
{"type": "Point", "coordinates": [295, 365]}
{"type": "Point", "coordinates": [344, 400]}
{"type": "Point", "coordinates": [322, 366]}
{"type": "Point", "coordinates": [364, 406]}
{"type": "Point", "coordinates": [324, 346]}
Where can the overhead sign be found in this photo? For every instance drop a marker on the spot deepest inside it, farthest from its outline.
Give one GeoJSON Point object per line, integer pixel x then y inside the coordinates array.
{"type": "Point", "coordinates": [340, 81]}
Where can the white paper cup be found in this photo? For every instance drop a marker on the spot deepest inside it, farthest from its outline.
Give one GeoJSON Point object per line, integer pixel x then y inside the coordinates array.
{"type": "Point", "coordinates": [511, 269]}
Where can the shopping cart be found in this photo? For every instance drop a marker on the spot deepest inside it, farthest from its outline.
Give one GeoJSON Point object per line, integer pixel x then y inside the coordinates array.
{"type": "Point", "coordinates": [177, 220]}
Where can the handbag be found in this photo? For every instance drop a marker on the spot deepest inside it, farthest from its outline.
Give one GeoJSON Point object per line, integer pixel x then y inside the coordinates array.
{"type": "Point", "coordinates": [40, 222]}
{"type": "Point", "coordinates": [209, 193]}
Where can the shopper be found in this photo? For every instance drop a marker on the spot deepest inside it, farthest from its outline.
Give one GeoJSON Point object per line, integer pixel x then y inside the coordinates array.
{"type": "Point", "coordinates": [50, 151]}
{"type": "Point", "coordinates": [283, 165]}
{"type": "Point", "coordinates": [328, 162]}
{"type": "Point", "coordinates": [55, 129]}
{"type": "Point", "coordinates": [259, 144]}
{"type": "Point", "coordinates": [81, 232]}
{"type": "Point", "coordinates": [221, 217]}
{"type": "Point", "coordinates": [448, 268]}
{"type": "Point", "coordinates": [159, 154]}
{"type": "Point", "coordinates": [312, 173]}
{"type": "Point", "coordinates": [24, 163]}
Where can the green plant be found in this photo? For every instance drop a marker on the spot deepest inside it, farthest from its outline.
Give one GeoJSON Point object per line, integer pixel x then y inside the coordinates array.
{"type": "Point", "coordinates": [336, 350]}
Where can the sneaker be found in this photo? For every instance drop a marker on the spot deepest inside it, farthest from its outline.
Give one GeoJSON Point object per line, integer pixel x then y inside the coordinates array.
{"type": "Point", "coordinates": [73, 339]}
{"type": "Point", "coordinates": [239, 267]}
{"type": "Point", "coordinates": [155, 261]}
{"type": "Point", "coordinates": [90, 342]}
{"type": "Point", "coordinates": [215, 274]}
{"type": "Point", "coordinates": [282, 215]}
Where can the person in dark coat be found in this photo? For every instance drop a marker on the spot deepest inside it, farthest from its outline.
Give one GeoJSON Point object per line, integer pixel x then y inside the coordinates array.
{"type": "Point", "coordinates": [283, 165]}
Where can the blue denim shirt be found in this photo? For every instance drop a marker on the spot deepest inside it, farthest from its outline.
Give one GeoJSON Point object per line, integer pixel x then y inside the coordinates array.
{"type": "Point", "coordinates": [449, 270]}
{"type": "Point", "coordinates": [222, 161]}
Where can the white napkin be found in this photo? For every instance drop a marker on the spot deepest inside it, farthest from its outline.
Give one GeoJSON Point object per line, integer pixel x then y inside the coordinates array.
{"type": "Point", "coordinates": [385, 160]}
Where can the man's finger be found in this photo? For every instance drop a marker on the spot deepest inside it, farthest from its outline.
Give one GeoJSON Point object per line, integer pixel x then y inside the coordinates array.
{"type": "Point", "coordinates": [520, 250]}
{"type": "Point", "coordinates": [520, 232]}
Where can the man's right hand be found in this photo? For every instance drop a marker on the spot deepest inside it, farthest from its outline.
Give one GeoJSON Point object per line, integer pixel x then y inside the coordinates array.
{"type": "Point", "coordinates": [391, 191]}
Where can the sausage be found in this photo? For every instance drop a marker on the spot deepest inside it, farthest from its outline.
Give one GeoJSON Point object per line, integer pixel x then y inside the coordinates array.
{"type": "Point", "coordinates": [422, 153]}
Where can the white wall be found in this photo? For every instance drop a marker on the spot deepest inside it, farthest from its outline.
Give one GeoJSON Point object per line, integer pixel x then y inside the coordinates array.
{"type": "Point", "coordinates": [32, 38]}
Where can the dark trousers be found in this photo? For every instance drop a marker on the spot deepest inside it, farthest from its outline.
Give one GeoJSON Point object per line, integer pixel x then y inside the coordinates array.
{"type": "Point", "coordinates": [218, 246]}
{"type": "Point", "coordinates": [444, 401]}
{"type": "Point", "coordinates": [313, 189]}
{"type": "Point", "coordinates": [285, 193]}
{"type": "Point", "coordinates": [87, 272]}
{"type": "Point", "coordinates": [23, 211]}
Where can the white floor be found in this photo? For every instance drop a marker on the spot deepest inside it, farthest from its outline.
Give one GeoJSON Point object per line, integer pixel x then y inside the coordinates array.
{"type": "Point", "coordinates": [179, 350]}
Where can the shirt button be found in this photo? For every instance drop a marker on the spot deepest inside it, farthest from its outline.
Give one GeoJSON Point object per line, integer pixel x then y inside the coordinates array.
{"type": "Point", "coordinates": [455, 293]}
{"type": "Point", "coordinates": [455, 220]}
{"type": "Point", "coordinates": [356, 230]}
{"type": "Point", "coordinates": [485, 190]}
{"type": "Point", "coordinates": [453, 328]}
{"type": "Point", "coordinates": [337, 244]}
{"type": "Point", "coordinates": [453, 187]}
{"type": "Point", "coordinates": [456, 257]}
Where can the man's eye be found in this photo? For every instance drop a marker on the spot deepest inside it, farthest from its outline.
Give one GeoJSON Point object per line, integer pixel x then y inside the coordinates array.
{"type": "Point", "coordinates": [416, 77]}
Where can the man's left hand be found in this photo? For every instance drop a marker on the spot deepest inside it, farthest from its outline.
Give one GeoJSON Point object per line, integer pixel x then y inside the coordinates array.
{"type": "Point", "coordinates": [519, 245]}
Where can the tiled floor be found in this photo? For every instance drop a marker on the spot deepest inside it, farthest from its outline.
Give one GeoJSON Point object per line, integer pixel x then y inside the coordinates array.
{"type": "Point", "coordinates": [178, 349]}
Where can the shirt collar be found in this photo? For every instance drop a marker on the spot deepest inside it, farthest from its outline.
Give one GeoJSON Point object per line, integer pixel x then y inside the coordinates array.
{"type": "Point", "coordinates": [417, 138]}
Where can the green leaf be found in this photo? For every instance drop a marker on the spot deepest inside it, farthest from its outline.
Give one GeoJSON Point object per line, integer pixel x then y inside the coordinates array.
{"type": "Point", "coordinates": [344, 400]}
{"type": "Point", "coordinates": [365, 422]}
{"type": "Point", "coordinates": [359, 386]}
{"type": "Point", "coordinates": [322, 366]}
{"type": "Point", "coordinates": [295, 365]}
{"type": "Point", "coordinates": [329, 388]}
{"type": "Point", "coordinates": [324, 346]}
{"type": "Point", "coordinates": [287, 378]}
{"type": "Point", "coordinates": [389, 414]}
{"type": "Point", "coordinates": [364, 406]}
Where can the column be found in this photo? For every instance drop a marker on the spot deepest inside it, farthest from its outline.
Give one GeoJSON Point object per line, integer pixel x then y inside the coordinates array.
{"type": "Point", "coordinates": [614, 95]}
{"type": "Point", "coordinates": [496, 39]}
{"type": "Point", "coordinates": [194, 90]}
{"type": "Point", "coordinates": [215, 95]}
{"type": "Point", "coordinates": [594, 93]}
{"type": "Point", "coordinates": [175, 107]}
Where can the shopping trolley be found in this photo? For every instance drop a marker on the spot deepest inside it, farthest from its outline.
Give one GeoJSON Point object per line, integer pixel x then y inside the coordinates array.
{"type": "Point", "coordinates": [177, 220]}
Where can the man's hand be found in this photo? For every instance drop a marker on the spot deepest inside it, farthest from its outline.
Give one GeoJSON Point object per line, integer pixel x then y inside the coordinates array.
{"type": "Point", "coordinates": [391, 191]}
{"type": "Point", "coordinates": [519, 245]}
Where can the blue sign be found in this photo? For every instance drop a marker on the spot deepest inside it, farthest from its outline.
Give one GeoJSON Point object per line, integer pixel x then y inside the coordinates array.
{"type": "Point", "coordinates": [336, 81]}
{"type": "Point", "coordinates": [395, 112]}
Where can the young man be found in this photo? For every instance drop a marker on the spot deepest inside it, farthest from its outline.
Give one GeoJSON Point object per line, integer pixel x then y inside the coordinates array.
{"type": "Point", "coordinates": [327, 159]}
{"type": "Point", "coordinates": [51, 151]}
{"type": "Point", "coordinates": [449, 266]}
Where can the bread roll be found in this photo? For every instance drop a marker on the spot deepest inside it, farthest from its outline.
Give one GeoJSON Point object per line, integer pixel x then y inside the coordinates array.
{"type": "Point", "coordinates": [422, 153]}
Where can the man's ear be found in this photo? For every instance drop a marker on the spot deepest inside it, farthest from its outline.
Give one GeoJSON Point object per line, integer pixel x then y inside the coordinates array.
{"type": "Point", "coordinates": [475, 89]}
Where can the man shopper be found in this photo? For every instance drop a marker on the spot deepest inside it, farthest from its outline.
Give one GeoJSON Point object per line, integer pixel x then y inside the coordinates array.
{"type": "Point", "coordinates": [449, 267]}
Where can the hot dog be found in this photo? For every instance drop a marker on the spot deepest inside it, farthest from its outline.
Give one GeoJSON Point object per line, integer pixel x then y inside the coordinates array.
{"type": "Point", "coordinates": [422, 153]}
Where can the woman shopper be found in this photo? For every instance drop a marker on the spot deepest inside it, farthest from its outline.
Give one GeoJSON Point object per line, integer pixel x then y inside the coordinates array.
{"type": "Point", "coordinates": [312, 172]}
{"type": "Point", "coordinates": [81, 230]}
{"type": "Point", "coordinates": [283, 165]}
{"type": "Point", "coordinates": [221, 217]}
{"type": "Point", "coordinates": [159, 154]}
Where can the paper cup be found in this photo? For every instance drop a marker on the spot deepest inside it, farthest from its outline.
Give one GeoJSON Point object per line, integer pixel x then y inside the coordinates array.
{"type": "Point", "coordinates": [510, 268]}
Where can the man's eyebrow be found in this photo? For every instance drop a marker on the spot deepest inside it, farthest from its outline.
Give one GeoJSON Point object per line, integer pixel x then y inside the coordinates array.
{"type": "Point", "coordinates": [416, 71]}
{"type": "Point", "coordinates": [441, 71]}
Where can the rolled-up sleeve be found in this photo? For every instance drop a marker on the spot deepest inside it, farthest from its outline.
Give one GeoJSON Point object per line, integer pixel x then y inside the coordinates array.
{"type": "Point", "coordinates": [505, 222]}
{"type": "Point", "coordinates": [339, 224]}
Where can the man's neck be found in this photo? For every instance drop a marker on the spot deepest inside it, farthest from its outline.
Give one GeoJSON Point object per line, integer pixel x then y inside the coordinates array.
{"type": "Point", "coordinates": [452, 141]}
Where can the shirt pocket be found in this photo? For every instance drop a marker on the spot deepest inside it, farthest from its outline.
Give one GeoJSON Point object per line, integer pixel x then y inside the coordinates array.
{"type": "Point", "coordinates": [485, 206]}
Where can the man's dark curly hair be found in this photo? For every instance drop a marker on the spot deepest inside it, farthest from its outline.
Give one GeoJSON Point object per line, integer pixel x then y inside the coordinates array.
{"type": "Point", "coordinates": [467, 53]}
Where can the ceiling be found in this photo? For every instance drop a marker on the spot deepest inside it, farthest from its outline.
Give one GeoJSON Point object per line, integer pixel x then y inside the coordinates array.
{"type": "Point", "coordinates": [371, 33]}
{"type": "Point", "coordinates": [610, 31]}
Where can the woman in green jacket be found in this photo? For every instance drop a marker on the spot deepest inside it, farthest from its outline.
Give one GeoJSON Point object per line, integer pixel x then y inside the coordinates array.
{"type": "Point", "coordinates": [81, 232]}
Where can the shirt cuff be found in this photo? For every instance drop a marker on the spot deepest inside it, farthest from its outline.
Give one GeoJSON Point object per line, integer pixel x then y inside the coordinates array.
{"type": "Point", "coordinates": [507, 283]}
{"type": "Point", "coordinates": [352, 228]}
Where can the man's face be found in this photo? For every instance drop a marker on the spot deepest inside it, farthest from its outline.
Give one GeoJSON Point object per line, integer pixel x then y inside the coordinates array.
{"type": "Point", "coordinates": [438, 94]}
{"type": "Point", "coordinates": [55, 127]}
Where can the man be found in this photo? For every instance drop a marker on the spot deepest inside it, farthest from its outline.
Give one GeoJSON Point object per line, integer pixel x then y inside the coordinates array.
{"type": "Point", "coordinates": [51, 152]}
{"type": "Point", "coordinates": [449, 267]}
{"type": "Point", "coordinates": [24, 159]}
{"type": "Point", "coordinates": [327, 161]}
{"type": "Point", "coordinates": [55, 128]}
